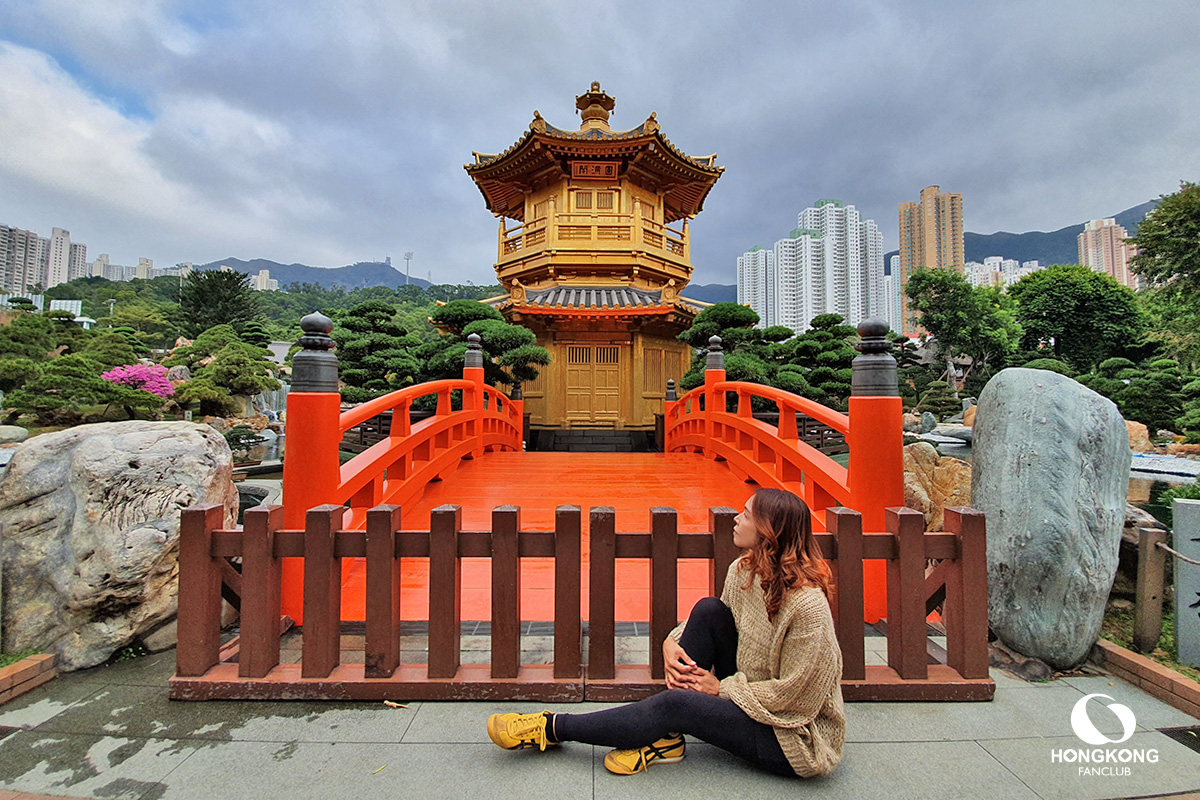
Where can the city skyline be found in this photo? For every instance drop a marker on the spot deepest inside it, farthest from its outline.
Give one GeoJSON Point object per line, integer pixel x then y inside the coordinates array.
{"type": "Point", "coordinates": [831, 262]}
{"type": "Point", "coordinates": [344, 141]}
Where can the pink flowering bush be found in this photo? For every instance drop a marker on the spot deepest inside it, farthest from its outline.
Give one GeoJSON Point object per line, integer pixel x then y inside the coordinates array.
{"type": "Point", "coordinates": [147, 377]}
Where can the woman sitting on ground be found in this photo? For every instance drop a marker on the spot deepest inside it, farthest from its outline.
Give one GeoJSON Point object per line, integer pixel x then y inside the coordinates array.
{"type": "Point", "coordinates": [757, 673]}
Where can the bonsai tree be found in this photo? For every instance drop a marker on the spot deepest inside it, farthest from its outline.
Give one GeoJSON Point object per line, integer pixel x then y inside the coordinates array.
{"type": "Point", "coordinates": [240, 440]}
{"type": "Point", "coordinates": [375, 354]}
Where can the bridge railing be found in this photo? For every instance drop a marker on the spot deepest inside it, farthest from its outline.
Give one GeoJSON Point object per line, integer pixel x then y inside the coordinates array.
{"type": "Point", "coordinates": [470, 419]}
{"type": "Point", "coordinates": [754, 450]}
{"type": "Point", "coordinates": [774, 456]}
{"type": "Point", "coordinates": [250, 668]}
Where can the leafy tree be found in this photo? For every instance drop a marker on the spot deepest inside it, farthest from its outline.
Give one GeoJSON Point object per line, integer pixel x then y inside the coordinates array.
{"type": "Point", "coordinates": [70, 384]}
{"type": "Point", "coordinates": [458, 314]}
{"type": "Point", "coordinates": [255, 333]}
{"type": "Point", "coordinates": [939, 400]}
{"type": "Point", "coordinates": [213, 400]}
{"type": "Point", "coordinates": [1168, 240]}
{"type": "Point", "coordinates": [16, 371]}
{"type": "Point", "coordinates": [721, 319]}
{"type": "Point", "coordinates": [511, 352]}
{"type": "Point", "coordinates": [206, 345]}
{"type": "Point", "coordinates": [1051, 365]}
{"type": "Point", "coordinates": [110, 349]}
{"type": "Point", "coordinates": [29, 336]}
{"type": "Point", "coordinates": [241, 440]}
{"type": "Point", "coordinates": [979, 323]}
{"type": "Point", "coordinates": [1080, 316]}
{"type": "Point", "coordinates": [1174, 321]}
{"type": "Point", "coordinates": [214, 297]}
{"type": "Point", "coordinates": [21, 304]}
{"type": "Point", "coordinates": [241, 369]}
{"type": "Point", "coordinates": [373, 352]}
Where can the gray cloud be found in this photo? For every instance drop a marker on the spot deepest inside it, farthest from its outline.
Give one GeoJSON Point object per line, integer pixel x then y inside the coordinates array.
{"type": "Point", "coordinates": [333, 132]}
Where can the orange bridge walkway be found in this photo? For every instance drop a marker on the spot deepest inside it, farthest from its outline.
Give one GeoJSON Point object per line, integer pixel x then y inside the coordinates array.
{"type": "Point", "coordinates": [631, 483]}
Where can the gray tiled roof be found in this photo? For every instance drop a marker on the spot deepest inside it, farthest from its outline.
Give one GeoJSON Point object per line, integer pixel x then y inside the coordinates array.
{"type": "Point", "coordinates": [593, 297]}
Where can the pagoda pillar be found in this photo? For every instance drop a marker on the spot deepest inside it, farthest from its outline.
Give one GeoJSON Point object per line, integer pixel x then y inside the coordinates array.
{"type": "Point", "coordinates": [637, 223]}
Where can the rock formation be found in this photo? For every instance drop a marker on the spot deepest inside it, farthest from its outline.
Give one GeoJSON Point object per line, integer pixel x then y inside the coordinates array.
{"type": "Point", "coordinates": [90, 521]}
{"type": "Point", "coordinates": [1051, 470]}
{"type": "Point", "coordinates": [933, 482]}
{"type": "Point", "coordinates": [1139, 437]}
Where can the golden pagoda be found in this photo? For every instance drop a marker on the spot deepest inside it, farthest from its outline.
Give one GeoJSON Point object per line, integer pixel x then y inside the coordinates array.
{"type": "Point", "coordinates": [595, 261]}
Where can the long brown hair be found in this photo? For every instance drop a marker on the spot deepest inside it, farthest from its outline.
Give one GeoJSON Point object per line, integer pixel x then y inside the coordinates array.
{"type": "Point", "coordinates": [785, 555]}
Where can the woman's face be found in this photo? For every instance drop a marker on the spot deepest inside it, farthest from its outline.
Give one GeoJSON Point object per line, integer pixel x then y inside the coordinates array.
{"type": "Point", "coordinates": [745, 535]}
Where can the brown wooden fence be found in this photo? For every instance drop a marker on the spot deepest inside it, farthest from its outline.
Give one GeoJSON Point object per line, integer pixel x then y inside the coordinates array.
{"type": "Point", "coordinates": [205, 670]}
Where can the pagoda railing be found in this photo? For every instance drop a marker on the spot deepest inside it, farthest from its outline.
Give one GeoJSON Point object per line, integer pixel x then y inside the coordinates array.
{"type": "Point", "coordinates": [598, 231]}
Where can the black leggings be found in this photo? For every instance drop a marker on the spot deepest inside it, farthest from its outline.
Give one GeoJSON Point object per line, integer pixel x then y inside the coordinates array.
{"type": "Point", "coordinates": [710, 639]}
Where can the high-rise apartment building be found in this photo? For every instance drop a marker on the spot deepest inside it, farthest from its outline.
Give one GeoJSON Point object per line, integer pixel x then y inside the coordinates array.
{"type": "Point", "coordinates": [755, 276]}
{"type": "Point", "coordinates": [801, 285]}
{"type": "Point", "coordinates": [931, 235]}
{"type": "Point", "coordinates": [832, 262]}
{"type": "Point", "coordinates": [853, 259]}
{"type": "Point", "coordinates": [263, 282]}
{"type": "Point", "coordinates": [60, 257]}
{"type": "Point", "coordinates": [20, 259]}
{"type": "Point", "coordinates": [891, 293]}
{"type": "Point", "coordinates": [1102, 247]}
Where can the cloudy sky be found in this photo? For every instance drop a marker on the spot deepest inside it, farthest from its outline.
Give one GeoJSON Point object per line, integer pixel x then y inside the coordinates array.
{"type": "Point", "coordinates": [332, 132]}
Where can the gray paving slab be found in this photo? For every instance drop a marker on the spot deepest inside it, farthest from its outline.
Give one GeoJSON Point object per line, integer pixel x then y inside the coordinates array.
{"type": "Point", "coordinates": [1151, 712]}
{"type": "Point", "coordinates": [85, 735]}
{"type": "Point", "coordinates": [1177, 768]}
{"type": "Point", "coordinates": [145, 711]}
{"type": "Point", "coordinates": [239, 770]}
{"type": "Point", "coordinates": [46, 702]}
{"type": "Point", "coordinates": [1040, 710]}
{"type": "Point", "coordinates": [148, 670]}
{"type": "Point", "coordinates": [79, 766]}
{"type": "Point", "coordinates": [926, 771]}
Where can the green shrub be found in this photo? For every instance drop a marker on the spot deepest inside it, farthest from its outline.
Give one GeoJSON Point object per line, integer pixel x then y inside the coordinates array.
{"type": "Point", "coordinates": [1051, 364]}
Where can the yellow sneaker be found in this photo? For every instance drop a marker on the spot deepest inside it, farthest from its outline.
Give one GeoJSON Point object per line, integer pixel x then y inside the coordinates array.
{"type": "Point", "coordinates": [520, 731]}
{"type": "Point", "coordinates": [627, 762]}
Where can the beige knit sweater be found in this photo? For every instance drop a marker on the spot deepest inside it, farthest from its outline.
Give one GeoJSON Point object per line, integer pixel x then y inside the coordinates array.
{"type": "Point", "coordinates": [789, 671]}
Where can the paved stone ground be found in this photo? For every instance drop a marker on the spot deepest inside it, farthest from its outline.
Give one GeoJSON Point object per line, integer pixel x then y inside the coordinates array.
{"type": "Point", "coordinates": [111, 732]}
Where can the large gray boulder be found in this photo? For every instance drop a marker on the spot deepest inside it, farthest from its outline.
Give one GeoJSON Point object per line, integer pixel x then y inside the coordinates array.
{"type": "Point", "coordinates": [90, 524]}
{"type": "Point", "coordinates": [1051, 471]}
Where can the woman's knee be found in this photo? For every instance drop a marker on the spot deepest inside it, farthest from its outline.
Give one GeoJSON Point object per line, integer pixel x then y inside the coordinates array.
{"type": "Point", "coordinates": [711, 609]}
{"type": "Point", "coordinates": [669, 704]}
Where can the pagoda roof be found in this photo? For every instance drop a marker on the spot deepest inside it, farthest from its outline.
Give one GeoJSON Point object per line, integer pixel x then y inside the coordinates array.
{"type": "Point", "coordinates": [617, 299]}
{"type": "Point", "coordinates": [647, 158]}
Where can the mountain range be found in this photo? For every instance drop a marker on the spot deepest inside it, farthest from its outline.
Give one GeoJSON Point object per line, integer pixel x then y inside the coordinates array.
{"type": "Point", "coordinates": [1054, 247]}
{"type": "Point", "coordinates": [353, 276]}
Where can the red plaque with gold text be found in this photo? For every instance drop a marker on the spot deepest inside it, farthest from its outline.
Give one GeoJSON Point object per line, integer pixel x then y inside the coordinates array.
{"type": "Point", "coordinates": [595, 170]}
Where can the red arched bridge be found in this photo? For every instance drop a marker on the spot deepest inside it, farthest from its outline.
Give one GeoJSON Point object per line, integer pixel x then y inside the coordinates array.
{"type": "Point", "coordinates": [448, 520]}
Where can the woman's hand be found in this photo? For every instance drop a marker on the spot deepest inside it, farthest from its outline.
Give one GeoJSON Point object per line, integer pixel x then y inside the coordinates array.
{"type": "Point", "coordinates": [701, 680]}
{"type": "Point", "coordinates": [677, 664]}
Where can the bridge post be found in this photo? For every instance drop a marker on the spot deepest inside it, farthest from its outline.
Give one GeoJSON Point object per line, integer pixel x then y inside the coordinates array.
{"type": "Point", "coordinates": [312, 475]}
{"type": "Point", "coordinates": [876, 439]}
{"type": "Point", "coordinates": [473, 372]}
{"type": "Point", "coordinates": [714, 373]}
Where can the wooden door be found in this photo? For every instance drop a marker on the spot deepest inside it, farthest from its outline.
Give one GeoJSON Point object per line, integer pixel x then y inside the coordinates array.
{"type": "Point", "coordinates": [593, 383]}
{"type": "Point", "coordinates": [606, 383]}
{"type": "Point", "coordinates": [579, 383]}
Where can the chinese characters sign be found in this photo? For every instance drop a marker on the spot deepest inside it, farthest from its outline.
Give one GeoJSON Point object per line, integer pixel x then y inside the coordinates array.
{"type": "Point", "coordinates": [595, 170]}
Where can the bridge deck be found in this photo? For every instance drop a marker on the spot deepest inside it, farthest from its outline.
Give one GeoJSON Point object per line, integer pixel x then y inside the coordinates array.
{"type": "Point", "coordinates": [631, 483]}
